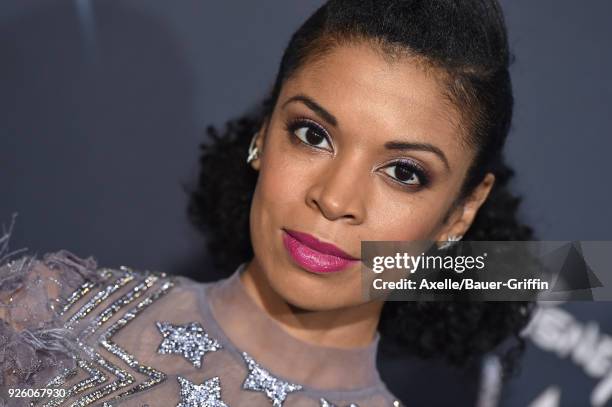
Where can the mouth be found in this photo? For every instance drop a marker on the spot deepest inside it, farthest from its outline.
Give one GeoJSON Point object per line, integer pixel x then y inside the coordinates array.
{"type": "Point", "coordinates": [314, 255]}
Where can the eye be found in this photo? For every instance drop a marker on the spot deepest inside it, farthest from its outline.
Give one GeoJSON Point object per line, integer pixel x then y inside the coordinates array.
{"type": "Point", "coordinates": [310, 134]}
{"type": "Point", "coordinates": [407, 173]}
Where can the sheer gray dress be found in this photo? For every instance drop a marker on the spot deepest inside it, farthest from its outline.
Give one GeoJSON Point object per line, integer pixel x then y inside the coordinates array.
{"type": "Point", "coordinates": [75, 334]}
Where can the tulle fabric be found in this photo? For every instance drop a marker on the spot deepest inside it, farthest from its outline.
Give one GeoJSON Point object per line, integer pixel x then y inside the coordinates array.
{"type": "Point", "coordinates": [94, 333]}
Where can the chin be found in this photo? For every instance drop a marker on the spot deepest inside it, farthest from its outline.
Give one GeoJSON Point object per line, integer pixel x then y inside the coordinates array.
{"type": "Point", "coordinates": [313, 292]}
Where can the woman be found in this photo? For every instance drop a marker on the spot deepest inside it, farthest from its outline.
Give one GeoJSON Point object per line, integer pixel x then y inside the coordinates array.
{"type": "Point", "coordinates": [386, 122]}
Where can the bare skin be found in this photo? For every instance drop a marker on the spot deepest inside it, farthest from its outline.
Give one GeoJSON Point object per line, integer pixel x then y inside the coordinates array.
{"type": "Point", "coordinates": [343, 185]}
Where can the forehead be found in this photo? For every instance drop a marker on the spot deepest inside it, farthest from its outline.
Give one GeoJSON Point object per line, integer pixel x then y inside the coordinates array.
{"type": "Point", "coordinates": [370, 93]}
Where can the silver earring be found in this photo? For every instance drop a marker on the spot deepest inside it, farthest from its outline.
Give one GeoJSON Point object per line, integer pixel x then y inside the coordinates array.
{"type": "Point", "coordinates": [450, 241]}
{"type": "Point", "coordinates": [253, 150]}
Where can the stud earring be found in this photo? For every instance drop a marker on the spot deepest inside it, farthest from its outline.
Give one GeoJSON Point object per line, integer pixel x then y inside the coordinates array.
{"type": "Point", "coordinates": [253, 150]}
{"type": "Point", "coordinates": [450, 241]}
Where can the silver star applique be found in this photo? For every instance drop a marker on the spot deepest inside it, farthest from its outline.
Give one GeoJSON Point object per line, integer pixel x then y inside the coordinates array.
{"type": "Point", "coordinates": [325, 403]}
{"type": "Point", "coordinates": [189, 340]}
{"type": "Point", "coordinates": [207, 394]}
{"type": "Point", "coordinates": [261, 380]}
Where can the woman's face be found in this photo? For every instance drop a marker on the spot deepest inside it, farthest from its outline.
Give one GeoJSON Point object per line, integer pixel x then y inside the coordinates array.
{"type": "Point", "coordinates": [357, 148]}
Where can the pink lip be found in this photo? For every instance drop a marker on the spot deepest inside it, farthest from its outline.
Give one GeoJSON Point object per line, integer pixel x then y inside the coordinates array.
{"type": "Point", "coordinates": [314, 255]}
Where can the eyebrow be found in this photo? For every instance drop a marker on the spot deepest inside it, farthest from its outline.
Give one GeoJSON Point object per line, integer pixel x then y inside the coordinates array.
{"type": "Point", "coordinates": [390, 145]}
{"type": "Point", "coordinates": [405, 145]}
{"type": "Point", "coordinates": [315, 107]}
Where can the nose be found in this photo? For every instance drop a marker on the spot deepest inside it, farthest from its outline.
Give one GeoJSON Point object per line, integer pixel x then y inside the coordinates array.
{"type": "Point", "coordinates": [338, 193]}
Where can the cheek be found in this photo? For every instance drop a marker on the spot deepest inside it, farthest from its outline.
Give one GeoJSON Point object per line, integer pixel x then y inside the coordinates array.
{"type": "Point", "coordinates": [283, 173]}
{"type": "Point", "coordinates": [281, 184]}
{"type": "Point", "coordinates": [398, 215]}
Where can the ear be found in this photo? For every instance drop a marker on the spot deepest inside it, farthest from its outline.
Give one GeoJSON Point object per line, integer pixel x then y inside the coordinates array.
{"type": "Point", "coordinates": [462, 217]}
{"type": "Point", "coordinates": [259, 143]}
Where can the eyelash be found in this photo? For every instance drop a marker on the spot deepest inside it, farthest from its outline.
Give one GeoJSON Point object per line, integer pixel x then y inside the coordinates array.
{"type": "Point", "coordinates": [295, 124]}
{"type": "Point", "coordinates": [414, 168]}
{"type": "Point", "coordinates": [300, 122]}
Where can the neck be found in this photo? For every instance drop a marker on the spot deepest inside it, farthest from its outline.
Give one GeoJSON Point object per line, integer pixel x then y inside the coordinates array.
{"type": "Point", "coordinates": [347, 327]}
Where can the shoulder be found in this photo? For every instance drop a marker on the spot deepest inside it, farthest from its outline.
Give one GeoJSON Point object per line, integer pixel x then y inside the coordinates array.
{"type": "Point", "coordinates": [58, 280]}
{"type": "Point", "coordinates": [33, 338]}
{"type": "Point", "coordinates": [34, 289]}
{"type": "Point", "coordinates": [30, 286]}
{"type": "Point", "coordinates": [48, 301]}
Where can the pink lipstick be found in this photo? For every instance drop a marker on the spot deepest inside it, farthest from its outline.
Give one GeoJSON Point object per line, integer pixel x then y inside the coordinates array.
{"type": "Point", "coordinates": [313, 255]}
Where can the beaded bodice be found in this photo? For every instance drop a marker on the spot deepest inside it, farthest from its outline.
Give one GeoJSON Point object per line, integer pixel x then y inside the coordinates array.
{"type": "Point", "coordinates": [74, 334]}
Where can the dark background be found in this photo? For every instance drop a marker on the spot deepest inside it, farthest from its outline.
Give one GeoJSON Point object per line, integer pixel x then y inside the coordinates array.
{"type": "Point", "coordinates": [103, 105]}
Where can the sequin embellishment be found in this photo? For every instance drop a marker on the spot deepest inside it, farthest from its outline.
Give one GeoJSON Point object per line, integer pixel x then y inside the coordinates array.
{"type": "Point", "coordinates": [261, 380]}
{"type": "Point", "coordinates": [96, 376]}
{"type": "Point", "coordinates": [189, 340]}
{"type": "Point", "coordinates": [325, 403]}
{"type": "Point", "coordinates": [155, 376]}
{"type": "Point", "coordinates": [207, 394]}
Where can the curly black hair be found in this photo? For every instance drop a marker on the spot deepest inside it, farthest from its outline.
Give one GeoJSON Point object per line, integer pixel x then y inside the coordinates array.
{"type": "Point", "coordinates": [467, 41]}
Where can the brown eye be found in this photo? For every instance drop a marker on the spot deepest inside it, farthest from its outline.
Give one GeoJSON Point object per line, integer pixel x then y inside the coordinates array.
{"type": "Point", "coordinates": [407, 173]}
{"type": "Point", "coordinates": [312, 136]}
{"type": "Point", "coordinates": [403, 174]}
